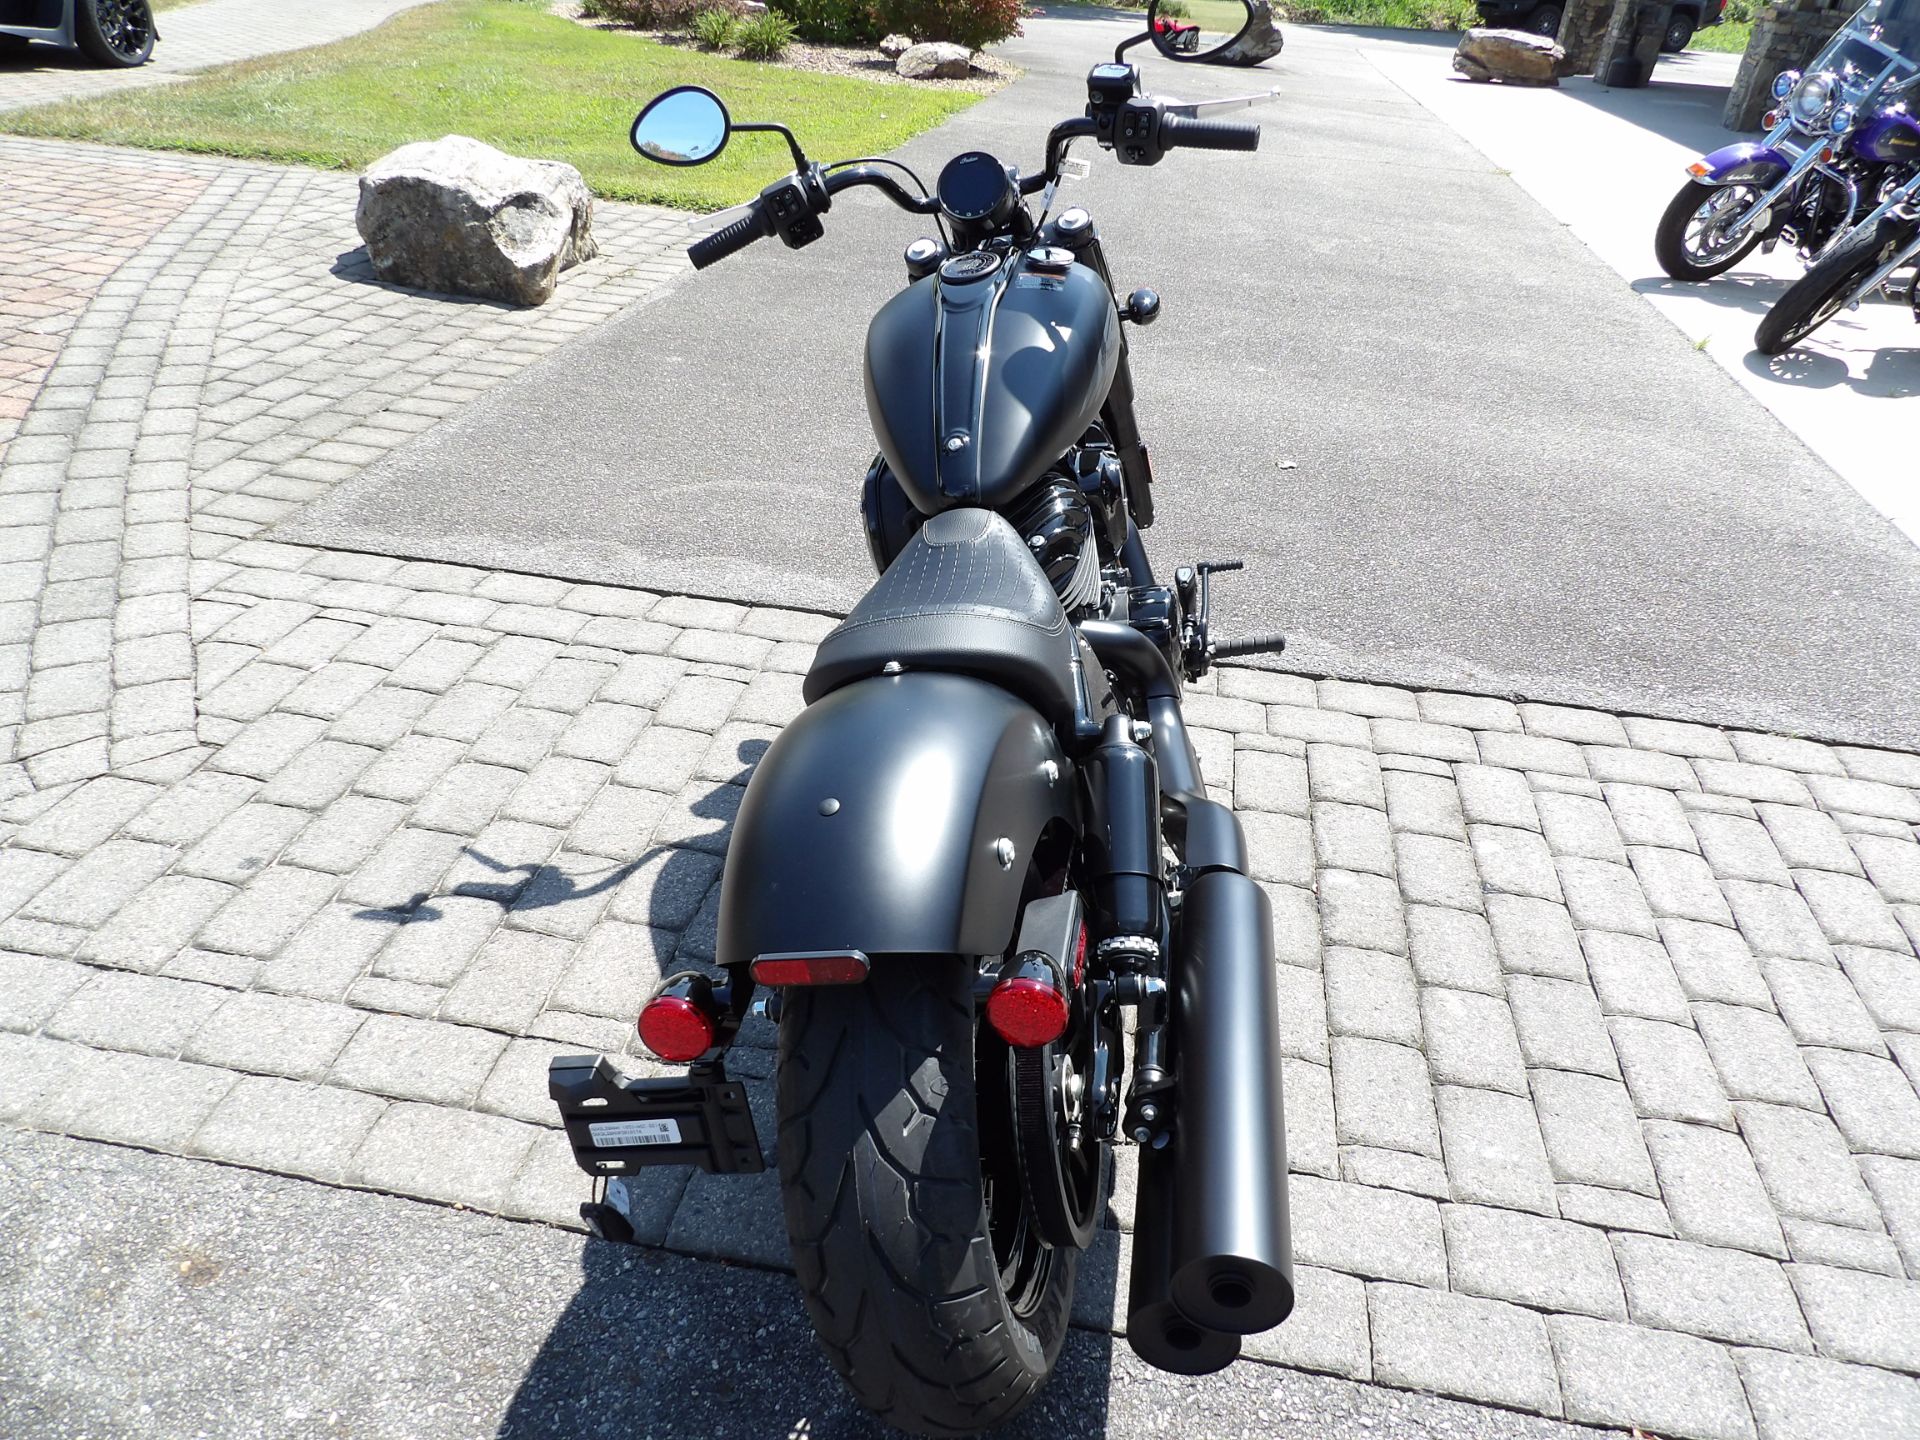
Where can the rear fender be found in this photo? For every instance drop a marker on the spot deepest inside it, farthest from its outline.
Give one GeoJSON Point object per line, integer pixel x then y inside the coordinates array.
{"type": "Point", "coordinates": [875, 822]}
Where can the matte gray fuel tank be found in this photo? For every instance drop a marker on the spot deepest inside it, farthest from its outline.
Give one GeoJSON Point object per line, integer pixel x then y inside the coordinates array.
{"type": "Point", "coordinates": [976, 386]}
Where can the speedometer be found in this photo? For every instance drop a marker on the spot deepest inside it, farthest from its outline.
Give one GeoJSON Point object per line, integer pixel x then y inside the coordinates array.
{"type": "Point", "coordinates": [975, 188]}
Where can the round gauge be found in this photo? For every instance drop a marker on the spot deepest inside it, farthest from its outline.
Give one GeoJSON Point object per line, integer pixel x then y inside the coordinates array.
{"type": "Point", "coordinates": [976, 187]}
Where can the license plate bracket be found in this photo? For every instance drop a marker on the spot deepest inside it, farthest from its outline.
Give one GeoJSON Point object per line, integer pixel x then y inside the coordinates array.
{"type": "Point", "coordinates": [618, 1126]}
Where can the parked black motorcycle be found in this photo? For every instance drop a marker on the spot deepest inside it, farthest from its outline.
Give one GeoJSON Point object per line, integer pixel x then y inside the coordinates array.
{"type": "Point", "coordinates": [985, 845]}
{"type": "Point", "coordinates": [1864, 260]}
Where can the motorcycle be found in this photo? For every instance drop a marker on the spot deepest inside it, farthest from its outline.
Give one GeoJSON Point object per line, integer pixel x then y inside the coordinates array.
{"type": "Point", "coordinates": [1864, 260]}
{"type": "Point", "coordinates": [1840, 139]}
{"type": "Point", "coordinates": [983, 852]}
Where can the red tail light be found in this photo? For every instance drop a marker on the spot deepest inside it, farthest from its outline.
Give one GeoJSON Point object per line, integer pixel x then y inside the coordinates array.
{"type": "Point", "coordinates": [848, 967]}
{"type": "Point", "coordinates": [1026, 1010]}
{"type": "Point", "coordinates": [676, 1029]}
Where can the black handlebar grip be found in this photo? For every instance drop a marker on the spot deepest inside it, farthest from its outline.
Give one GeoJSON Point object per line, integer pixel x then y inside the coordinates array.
{"type": "Point", "coordinates": [1181, 132]}
{"type": "Point", "coordinates": [710, 249]}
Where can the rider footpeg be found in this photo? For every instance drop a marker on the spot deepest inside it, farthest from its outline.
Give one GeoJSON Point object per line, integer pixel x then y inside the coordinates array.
{"type": "Point", "coordinates": [1270, 642]}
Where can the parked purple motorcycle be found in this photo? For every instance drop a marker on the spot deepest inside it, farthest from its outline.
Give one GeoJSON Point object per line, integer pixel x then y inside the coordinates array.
{"type": "Point", "coordinates": [1841, 140]}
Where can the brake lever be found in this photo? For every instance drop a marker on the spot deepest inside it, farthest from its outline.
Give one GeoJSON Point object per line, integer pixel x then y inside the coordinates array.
{"type": "Point", "coordinates": [1195, 109]}
{"type": "Point", "coordinates": [720, 219]}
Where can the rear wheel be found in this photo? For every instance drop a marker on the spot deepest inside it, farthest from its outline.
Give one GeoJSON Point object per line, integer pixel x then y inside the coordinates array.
{"type": "Point", "coordinates": [1689, 241]}
{"type": "Point", "coordinates": [1679, 34]}
{"type": "Point", "coordinates": [1544, 20]}
{"type": "Point", "coordinates": [1817, 296]}
{"type": "Point", "coordinates": [115, 33]}
{"type": "Point", "coordinates": [919, 1257]}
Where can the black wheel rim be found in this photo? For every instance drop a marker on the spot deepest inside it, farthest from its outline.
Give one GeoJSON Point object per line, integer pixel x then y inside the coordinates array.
{"type": "Point", "coordinates": [1704, 240]}
{"type": "Point", "coordinates": [1025, 1260]}
{"type": "Point", "coordinates": [125, 25]}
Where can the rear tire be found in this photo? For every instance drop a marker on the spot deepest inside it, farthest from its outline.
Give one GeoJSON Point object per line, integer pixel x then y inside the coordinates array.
{"type": "Point", "coordinates": [1545, 20]}
{"type": "Point", "coordinates": [1689, 256]}
{"type": "Point", "coordinates": [1817, 296]}
{"type": "Point", "coordinates": [903, 1212]}
{"type": "Point", "coordinates": [1679, 35]}
{"type": "Point", "coordinates": [116, 33]}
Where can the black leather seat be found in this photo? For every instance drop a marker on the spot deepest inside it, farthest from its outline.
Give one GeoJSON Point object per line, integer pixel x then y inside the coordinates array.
{"type": "Point", "coordinates": [963, 596]}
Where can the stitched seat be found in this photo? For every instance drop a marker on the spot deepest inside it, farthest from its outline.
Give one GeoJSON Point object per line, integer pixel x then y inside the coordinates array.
{"type": "Point", "coordinates": [962, 596]}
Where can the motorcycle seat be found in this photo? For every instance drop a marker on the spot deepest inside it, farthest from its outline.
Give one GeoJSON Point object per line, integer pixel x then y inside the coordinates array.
{"type": "Point", "coordinates": [963, 596]}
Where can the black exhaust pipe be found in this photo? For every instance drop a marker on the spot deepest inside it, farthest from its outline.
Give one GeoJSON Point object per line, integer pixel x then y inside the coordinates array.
{"type": "Point", "coordinates": [1157, 1331]}
{"type": "Point", "coordinates": [1232, 1251]}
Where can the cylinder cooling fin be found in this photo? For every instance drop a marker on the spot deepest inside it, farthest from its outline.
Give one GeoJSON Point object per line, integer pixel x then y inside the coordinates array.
{"type": "Point", "coordinates": [1057, 524]}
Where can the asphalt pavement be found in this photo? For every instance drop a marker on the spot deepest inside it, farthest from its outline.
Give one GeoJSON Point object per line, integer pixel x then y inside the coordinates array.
{"type": "Point", "coordinates": [146, 1295]}
{"type": "Point", "coordinates": [1454, 448]}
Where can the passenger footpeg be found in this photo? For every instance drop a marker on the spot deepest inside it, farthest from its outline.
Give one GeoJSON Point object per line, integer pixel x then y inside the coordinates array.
{"type": "Point", "coordinates": [1199, 649]}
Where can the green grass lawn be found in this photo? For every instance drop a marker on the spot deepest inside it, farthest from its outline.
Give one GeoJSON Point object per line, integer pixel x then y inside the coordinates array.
{"type": "Point", "coordinates": [508, 73]}
{"type": "Point", "coordinates": [1730, 37]}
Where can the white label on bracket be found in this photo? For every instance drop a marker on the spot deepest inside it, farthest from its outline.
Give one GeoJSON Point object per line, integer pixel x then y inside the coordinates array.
{"type": "Point", "coordinates": [617, 1134]}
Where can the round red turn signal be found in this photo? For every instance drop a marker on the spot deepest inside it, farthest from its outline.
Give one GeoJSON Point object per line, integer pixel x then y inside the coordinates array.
{"type": "Point", "coordinates": [1026, 1012]}
{"type": "Point", "coordinates": [675, 1029]}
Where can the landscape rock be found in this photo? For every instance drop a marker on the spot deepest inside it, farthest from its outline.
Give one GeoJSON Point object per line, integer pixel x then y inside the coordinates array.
{"type": "Point", "coordinates": [1261, 41]}
{"type": "Point", "coordinates": [894, 46]}
{"type": "Point", "coordinates": [1513, 56]}
{"type": "Point", "coordinates": [935, 60]}
{"type": "Point", "coordinates": [462, 218]}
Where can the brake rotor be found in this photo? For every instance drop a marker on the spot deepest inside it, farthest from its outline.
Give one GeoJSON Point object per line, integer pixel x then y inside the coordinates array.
{"type": "Point", "coordinates": [1061, 1158]}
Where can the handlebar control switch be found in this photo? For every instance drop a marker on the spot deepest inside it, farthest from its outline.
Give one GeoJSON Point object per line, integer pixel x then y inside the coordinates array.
{"type": "Point", "coordinates": [1136, 136]}
{"type": "Point", "coordinates": [1143, 307]}
{"type": "Point", "coordinates": [1108, 88]}
{"type": "Point", "coordinates": [794, 203]}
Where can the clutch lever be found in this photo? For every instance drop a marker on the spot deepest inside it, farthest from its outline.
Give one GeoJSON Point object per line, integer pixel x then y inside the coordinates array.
{"type": "Point", "coordinates": [1193, 110]}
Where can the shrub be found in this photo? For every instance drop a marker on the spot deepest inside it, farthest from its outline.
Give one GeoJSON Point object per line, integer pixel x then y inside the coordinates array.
{"type": "Point", "coordinates": [975, 24]}
{"type": "Point", "coordinates": [766, 37]}
{"type": "Point", "coordinates": [839, 22]}
{"type": "Point", "coordinates": [715, 29]}
{"type": "Point", "coordinates": [656, 14]}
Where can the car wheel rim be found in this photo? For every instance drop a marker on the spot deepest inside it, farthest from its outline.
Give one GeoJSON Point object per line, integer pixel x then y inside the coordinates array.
{"type": "Point", "coordinates": [125, 25]}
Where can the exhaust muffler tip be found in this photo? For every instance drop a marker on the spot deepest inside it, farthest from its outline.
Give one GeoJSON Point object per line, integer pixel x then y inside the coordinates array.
{"type": "Point", "coordinates": [1168, 1340]}
{"type": "Point", "coordinates": [1232, 1293]}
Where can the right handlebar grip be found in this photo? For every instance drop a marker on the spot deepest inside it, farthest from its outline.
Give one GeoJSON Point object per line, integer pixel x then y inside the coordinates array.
{"type": "Point", "coordinates": [710, 249]}
{"type": "Point", "coordinates": [1183, 132]}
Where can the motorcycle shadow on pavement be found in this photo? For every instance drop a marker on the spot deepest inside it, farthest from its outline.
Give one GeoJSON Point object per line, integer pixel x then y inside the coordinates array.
{"type": "Point", "coordinates": [1893, 373]}
{"type": "Point", "coordinates": [1750, 291]}
{"type": "Point", "coordinates": [658, 1345]}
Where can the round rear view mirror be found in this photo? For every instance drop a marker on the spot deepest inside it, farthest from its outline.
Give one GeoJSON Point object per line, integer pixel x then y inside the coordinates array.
{"type": "Point", "coordinates": [686, 125]}
{"type": "Point", "coordinates": [1197, 29]}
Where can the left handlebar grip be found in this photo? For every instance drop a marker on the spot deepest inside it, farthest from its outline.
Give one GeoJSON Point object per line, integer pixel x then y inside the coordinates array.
{"type": "Point", "coordinates": [711, 249]}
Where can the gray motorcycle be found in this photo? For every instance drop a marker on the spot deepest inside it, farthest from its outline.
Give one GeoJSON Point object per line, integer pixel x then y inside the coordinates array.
{"type": "Point", "coordinates": [982, 858]}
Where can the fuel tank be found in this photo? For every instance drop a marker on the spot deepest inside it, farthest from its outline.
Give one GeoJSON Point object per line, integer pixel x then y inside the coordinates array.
{"type": "Point", "coordinates": [1889, 137]}
{"type": "Point", "coordinates": [980, 375]}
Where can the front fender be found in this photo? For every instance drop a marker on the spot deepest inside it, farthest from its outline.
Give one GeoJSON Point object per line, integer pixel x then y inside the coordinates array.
{"type": "Point", "coordinates": [872, 823]}
{"type": "Point", "coordinates": [1746, 161]}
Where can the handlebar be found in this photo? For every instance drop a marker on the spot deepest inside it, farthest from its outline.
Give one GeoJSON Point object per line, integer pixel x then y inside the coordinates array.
{"type": "Point", "coordinates": [1178, 132]}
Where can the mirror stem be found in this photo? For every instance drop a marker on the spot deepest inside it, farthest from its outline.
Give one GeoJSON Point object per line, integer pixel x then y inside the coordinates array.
{"type": "Point", "coordinates": [799, 155]}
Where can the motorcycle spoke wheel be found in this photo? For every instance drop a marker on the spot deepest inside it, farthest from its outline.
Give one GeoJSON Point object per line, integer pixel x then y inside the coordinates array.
{"type": "Point", "coordinates": [1691, 240]}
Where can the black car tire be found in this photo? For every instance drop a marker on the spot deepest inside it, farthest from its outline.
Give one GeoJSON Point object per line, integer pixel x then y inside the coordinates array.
{"type": "Point", "coordinates": [116, 33]}
{"type": "Point", "coordinates": [1679, 33]}
{"type": "Point", "coordinates": [1670, 237]}
{"type": "Point", "coordinates": [1544, 20]}
{"type": "Point", "coordinates": [891, 1211]}
{"type": "Point", "coordinates": [1816, 297]}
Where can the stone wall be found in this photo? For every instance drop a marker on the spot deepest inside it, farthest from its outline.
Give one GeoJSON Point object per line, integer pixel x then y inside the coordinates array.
{"type": "Point", "coordinates": [1582, 30]}
{"type": "Point", "coordinates": [1785, 36]}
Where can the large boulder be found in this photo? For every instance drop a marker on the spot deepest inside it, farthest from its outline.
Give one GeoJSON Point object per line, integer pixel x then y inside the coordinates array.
{"type": "Point", "coordinates": [462, 218]}
{"type": "Point", "coordinates": [1261, 41]}
{"type": "Point", "coordinates": [935, 60]}
{"type": "Point", "coordinates": [894, 46]}
{"type": "Point", "coordinates": [1514, 56]}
